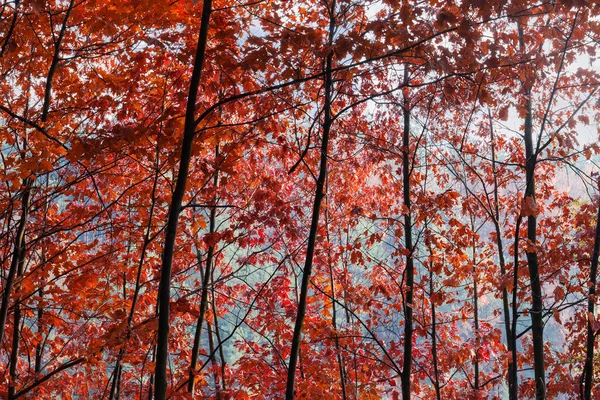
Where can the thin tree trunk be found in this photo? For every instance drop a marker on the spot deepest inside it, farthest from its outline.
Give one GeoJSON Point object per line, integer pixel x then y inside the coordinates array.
{"type": "Point", "coordinates": [18, 254]}
{"type": "Point", "coordinates": [217, 331]}
{"type": "Point", "coordinates": [164, 288]}
{"type": "Point", "coordinates": [515, 306]}
{"type": "Point", "coordinates": [39, 349]}
{"type": "Point", "coordinates": [54, 63]}
{"type": "Point", "coordinates": [475, 309]}
{"type": "Point", "coordinates": [115, 388]}
{"type": "Point", "coordinates": [152, 374]}
{"type": "Point", "coordinates": [336, 338]}
{"type": "Point", "coordinates": [434, 354]}
{"type": "Point", "coordinates": [349, 318]}
{"type": "Point", "coordinates": [512, 383]}
{"type": "Point", "coordinates": [14, 351]}
{"type": "Point", "coordinates": [213, 360]}
{"type": "Point", "coordinates": [206, 279]}
{"type": "Point", "coordinates": [588, 369]}
{"type": "Point", "coordinates": [537, 322]}
{"type": "Point", "coordinates": [319, 194]}
{"type": "Point", "coordinates": [408, 244]}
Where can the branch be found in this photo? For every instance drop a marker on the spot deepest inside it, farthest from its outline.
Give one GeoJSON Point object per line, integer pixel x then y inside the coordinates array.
{"type": "Point", "coordinates": [293, 82]}
{"type": "Point", "coordinates": [33, 125]}
{"type": "Point", "coordinates": [35, 384]}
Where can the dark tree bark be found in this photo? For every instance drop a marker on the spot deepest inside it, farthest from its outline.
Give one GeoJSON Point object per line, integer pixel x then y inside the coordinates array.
{"type": "Point", "coordinates": [39, 349]}
{"type": "Point", "coordinates": [48, 376]}
{"type": "Point", "coordinates": [434, 353]}
{"type": "Point", "coordinates": [588, 369]}
{"type": "Point", "coordinates": [513, 387]}
{"type": "Point", "coordinates": [54, 63]}
{"type": "Point", "coordinates": [220, 343]}
{"type": "Point", "coordinates": [213, 360]}
{"type": "Point", "coordinates": [515, 307]}
{"type": "Point", "coordinates": [18, 254]}
{"type": "Point", "coordinates": [475, 307]}
{"type": "Point", "coordinates": [537, 322]}
{"type": "Point", "coordinates": [319, 194]}
{"type": "Point", "coordinates": [164, 288]}
{"type": "Point", "coordinates": [206, 279]}
{"type": "Point", "coordinates": [409, 272]}
{"type": "Point", "coordinates": [336, 339]}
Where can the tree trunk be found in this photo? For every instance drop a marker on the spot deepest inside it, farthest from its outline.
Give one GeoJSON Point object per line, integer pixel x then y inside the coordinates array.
{"type": "Point", "coordinates": [217, 332]}
{"type": "Point", "coordinates": [54, 63]}
{"type": "Point", "coordinates": [408, 244]}
{"type": "Point", "coordinates": [511, 377]}
{"type": "Point", "coordinates": [515, 309]}
{"type": "Point", "coordinates": [336, 339]}
{"type": "Point", "coordinates": [39, 349]}
{"type": "Point", "coordinates": [588, 369]}
{"type": "Point", "coordinates": [475, 309]}
{"type": "Point", "coordinates": [537, 322]}
{"type": "Point", "coordinates": [206, 279]}
{"type": "Point", "coordinates": [434, 354]}
{"type": "Point", "coordinates": [164, 288]}
{"type": "Point", "coordinates": [18, 255]}
{"type": "Point", "coordinates": [213, 360]}
{"type": "Point", "coordinates": [319, 194]}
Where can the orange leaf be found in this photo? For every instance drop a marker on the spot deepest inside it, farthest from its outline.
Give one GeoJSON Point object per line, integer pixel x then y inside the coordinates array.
{"type": "Point", "coordinates": [503, 113]}
{"type": "Point", "coordinates": [529, 207]}
{"type": "Point", "coordinates": [591, 319]}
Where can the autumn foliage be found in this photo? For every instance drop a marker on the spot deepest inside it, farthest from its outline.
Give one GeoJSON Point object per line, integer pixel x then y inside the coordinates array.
{"type": "Point", "coordinates": [269, 199]}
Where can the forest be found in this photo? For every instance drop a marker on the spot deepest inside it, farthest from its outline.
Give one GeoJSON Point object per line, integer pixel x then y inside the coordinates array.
{"type": "Point", "coordinates": [299, 199]}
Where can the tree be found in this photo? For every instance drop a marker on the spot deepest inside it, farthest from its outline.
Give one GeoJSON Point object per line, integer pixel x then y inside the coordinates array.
{"type": "Point", "coordinates": [226, 199]}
